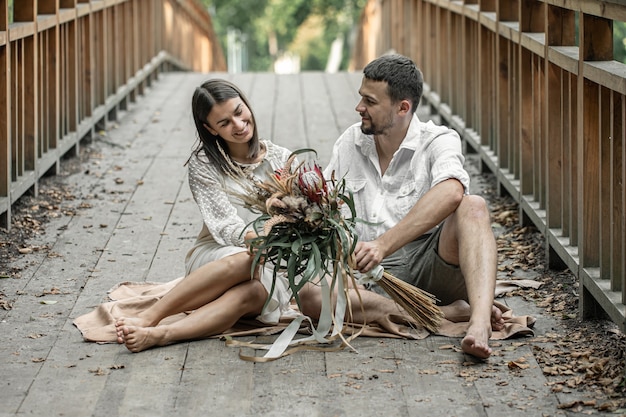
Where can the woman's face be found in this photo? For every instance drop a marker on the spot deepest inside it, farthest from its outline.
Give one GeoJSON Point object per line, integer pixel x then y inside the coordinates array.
{"type": "Point", "coordinates": [232, 121]}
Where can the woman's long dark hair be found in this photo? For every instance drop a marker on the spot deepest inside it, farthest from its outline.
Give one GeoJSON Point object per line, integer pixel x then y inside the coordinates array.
{"type": "Point", "coordinates": [210, 93]}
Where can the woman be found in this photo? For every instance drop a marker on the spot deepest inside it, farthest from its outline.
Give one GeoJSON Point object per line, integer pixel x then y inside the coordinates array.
{"type": "Point", "coordinates": [218, 287]}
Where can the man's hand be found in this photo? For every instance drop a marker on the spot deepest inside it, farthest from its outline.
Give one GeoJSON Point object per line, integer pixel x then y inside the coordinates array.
{"type": "Point", "coordinates": [368, 255]}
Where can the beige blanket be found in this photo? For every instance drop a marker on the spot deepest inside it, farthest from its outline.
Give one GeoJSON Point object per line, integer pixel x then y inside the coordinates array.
{"type": "Point", "coordinates": [128, 298]}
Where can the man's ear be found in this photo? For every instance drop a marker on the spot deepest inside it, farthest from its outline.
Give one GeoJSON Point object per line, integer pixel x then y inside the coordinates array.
{"type": "Point", "coordinates": [207, 127]}
{"type": "Point", "coordinates": [405, 106]}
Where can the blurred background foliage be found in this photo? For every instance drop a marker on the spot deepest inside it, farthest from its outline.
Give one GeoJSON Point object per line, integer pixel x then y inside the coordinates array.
{"type": "Point", "coordinates": [268, 30]}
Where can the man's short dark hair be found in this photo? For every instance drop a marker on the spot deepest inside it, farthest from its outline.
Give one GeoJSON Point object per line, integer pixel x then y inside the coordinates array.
{"type": "Point", "coordinates": [404, 80]}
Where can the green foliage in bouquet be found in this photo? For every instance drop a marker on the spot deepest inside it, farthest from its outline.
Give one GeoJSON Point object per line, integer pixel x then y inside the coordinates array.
{"type": "Point", "coordinates": [302, 230]}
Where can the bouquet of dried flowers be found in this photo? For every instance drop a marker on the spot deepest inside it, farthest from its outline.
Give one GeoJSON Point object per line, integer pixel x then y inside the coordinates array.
{"type": "Point", "coordinates": [302, 230]}
{"type": "Point", "coordinates": [306, 230]}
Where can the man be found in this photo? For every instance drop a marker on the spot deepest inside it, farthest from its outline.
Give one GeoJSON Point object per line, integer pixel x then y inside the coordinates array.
{"type": "Point", "coordinates": [410, 187]}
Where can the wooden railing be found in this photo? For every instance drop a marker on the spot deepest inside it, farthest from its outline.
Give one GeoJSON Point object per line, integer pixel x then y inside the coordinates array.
{"type": "Point", "coordinates": [532, 86]}
{"type": "Point", "coordinates": [68, 66]}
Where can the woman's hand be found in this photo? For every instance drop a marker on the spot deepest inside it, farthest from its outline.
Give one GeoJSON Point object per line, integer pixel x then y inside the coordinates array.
{"type": "Point", "coordinates": [248, 238]}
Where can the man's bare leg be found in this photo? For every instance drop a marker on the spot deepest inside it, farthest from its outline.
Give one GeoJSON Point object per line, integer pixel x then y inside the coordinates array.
{"type": "Point", "coordinates": [468, 241]}
{"type": "Point", "coordinates": [200, 287]}
{"type": "Point", "coordinates": [459, 311]}
{"type": "Point", "coordinates": [213, 318]}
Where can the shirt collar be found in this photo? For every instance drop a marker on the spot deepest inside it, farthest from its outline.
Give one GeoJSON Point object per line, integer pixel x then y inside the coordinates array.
{"type": "Point", "coordinates": [413, 134]}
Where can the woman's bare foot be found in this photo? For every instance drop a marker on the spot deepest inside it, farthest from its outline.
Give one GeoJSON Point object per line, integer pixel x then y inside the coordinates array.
{"type": "Point", "coordinates": [476, 342]}
{"type": "Point", "coordinates": [137, 339]}
{"type": "Point", "coordinates": [128, 321]}
{"type": "Point", "coordinates": [459, 311]}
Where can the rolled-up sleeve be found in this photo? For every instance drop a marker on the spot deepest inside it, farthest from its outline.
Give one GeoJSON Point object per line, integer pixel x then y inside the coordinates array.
{"type": "Point", "coordinates": [447, 160]}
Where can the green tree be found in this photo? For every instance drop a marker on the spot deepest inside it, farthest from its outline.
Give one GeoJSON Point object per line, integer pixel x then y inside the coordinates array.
{"type": "Point", "coordinates": [338, 19]}
{"type": "Point", "coordinates": [270, 26]}
{"type": "Point", "coordinates": [241, 16]}
{"type": "Point", "coordinates": [619, 41]}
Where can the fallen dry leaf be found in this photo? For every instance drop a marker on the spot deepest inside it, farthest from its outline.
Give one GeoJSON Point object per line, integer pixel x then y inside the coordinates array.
{"type": "Point", "coordinates": [517, 365]}
{"type": "Point", "coordinates": [428, 372]}
{"type": "Point", "coordinates": [98, 371]}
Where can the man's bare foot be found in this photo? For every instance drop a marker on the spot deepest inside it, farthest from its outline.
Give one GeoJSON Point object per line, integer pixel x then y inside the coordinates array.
{"type": "Point", "coordinates": [137, 339]}
{"type": "Point", "coordinates": [459, 311]}
{"type": "Point", "coordinates": [476, 342]}
{"type": "Point", "coordinates": [128, 321]}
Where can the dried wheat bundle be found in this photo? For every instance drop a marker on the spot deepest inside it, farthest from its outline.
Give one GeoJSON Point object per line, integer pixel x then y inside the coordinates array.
{"type": "Point", "coordinates": [418, 303]}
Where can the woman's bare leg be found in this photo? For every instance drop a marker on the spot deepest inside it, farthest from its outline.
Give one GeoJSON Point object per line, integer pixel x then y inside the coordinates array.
{"type": "Point", "coordinates": [384, 311]}
{"type": "Point", "coordinates": [367, 307]}
{"type": "Point", "coordinates": [247, 298]}
{"type": "Point", "coordinates": [200, 287]}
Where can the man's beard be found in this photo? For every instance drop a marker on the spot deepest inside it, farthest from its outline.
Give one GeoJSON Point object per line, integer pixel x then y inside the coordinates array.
{"type": "Point", "coordinates": [376, 130]}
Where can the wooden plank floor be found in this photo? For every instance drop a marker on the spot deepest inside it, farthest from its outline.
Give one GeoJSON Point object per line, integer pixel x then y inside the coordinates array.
{"type": "Point", "coordinates": [135, 221]}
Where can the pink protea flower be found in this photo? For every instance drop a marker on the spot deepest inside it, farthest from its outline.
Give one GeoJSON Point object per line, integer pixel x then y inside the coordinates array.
{"type": "Point", "coordinates": [312, 182]}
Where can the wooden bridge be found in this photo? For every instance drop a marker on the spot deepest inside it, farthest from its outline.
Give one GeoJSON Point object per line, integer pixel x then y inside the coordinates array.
{"type": "Point", "coordinates": [530, 85]}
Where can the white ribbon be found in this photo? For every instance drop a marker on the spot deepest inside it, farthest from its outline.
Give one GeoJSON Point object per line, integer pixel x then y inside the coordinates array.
{"type": "Point", "coordinates": [324, 324]}
{"type": "Point", "coordinates": [370, 277]}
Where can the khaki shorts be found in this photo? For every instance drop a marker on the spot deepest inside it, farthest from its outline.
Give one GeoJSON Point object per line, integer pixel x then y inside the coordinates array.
{"type": "Point", "coordinates": [419, 264]}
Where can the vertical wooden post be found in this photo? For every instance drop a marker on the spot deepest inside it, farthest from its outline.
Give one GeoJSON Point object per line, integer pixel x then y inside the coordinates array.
{"type": "Point", "coordinates": [486, 111]}
{"type": "Point", "coordinates": [572, 158]}
{"type": "Point", "coordinates": [503, 103]}
{"type": "Point", "coordinates": [114, 80]}
{"type": "Point", "coordinates": [553, 126]}
{"type": "Point", "coordinates": [596, 36]}
{"type": "Point", "coordinates": [85, 81]}
{"type": "Point", "coordinates": [26, 11]}
{"type": "Point", "coordinates": [620, 131]}
{"type": "Point", "coordinates": [618, 188]}
{"type": "Point", "coordinates": [5, 117]}
{"type": "Point", "coordinates": [559, 31]}
{"type": "Point", "coordinates": [70, 72]}
{"type": "Point", "coordinates": [589, 183]}
{"type": "Point", "coordinates": [554, 162]}
{"type": "Point", "coordinates": [516, 100]}
{"type": "Point", "coordinates": [539, 135]}
{"type": "Point", "coordinates": [526, 122]}
{"type": "Point", "coordinates": [50, 53]}
{"type": "Point", "coordinates": [455, 57]}
{"type": "Point", "coordinates": [606, 181]}
{"type": "Point", "coordinates": [470, 64]}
